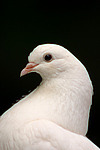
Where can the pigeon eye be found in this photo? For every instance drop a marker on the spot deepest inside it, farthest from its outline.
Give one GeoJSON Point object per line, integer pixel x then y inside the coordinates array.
{"type": "Point", "coordinates": [48, 57]}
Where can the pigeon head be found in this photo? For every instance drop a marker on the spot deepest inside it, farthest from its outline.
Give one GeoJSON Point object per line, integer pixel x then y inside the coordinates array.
{"type": "Point", "coordinates": [50, 61]}
{"type": "Point", "coordinates": [47, 60]}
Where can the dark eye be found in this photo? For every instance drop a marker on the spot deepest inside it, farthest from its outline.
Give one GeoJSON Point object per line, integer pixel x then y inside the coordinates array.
{"type": "Point", "coordinates": [48, 57]}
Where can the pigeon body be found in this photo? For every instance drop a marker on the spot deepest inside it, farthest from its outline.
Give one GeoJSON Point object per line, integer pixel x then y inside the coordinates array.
{"type": "Point", "coordinates": [55, 115]}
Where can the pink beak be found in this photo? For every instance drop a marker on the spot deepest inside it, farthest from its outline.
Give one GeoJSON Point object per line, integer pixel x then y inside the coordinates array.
{"type": "Point", "coordinates": [29, 68]}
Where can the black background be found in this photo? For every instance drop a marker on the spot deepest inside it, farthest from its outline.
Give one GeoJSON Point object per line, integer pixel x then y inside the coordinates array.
{"type": "Point", "coordinates": [24, 25]}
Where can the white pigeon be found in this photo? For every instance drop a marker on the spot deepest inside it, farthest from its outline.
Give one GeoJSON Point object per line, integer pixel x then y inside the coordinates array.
{"type": "Point", "coordinates": [55, 115]}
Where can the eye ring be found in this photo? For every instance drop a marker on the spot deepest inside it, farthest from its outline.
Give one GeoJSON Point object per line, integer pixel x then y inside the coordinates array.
{"type": "Point", "coordinates": [47, 57]}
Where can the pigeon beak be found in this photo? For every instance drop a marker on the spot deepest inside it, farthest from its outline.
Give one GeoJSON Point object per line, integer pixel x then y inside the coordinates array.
{"type": "Point", "coordinates": [29, 68]}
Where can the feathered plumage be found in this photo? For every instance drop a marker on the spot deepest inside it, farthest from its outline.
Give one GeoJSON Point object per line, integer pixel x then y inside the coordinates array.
{"type": "Point", "coordinates": [55, 115]}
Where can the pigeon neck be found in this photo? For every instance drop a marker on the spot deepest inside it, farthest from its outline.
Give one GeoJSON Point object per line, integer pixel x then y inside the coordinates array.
{"type": "Point", "coordinates": [68, 102]}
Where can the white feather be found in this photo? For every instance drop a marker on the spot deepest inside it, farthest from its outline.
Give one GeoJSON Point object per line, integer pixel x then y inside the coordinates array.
{"type": "Point", "coordinates": [55, 115]}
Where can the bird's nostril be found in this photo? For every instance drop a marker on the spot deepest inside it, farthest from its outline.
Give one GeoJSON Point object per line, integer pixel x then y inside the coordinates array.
{"type": "Point", "coordinates": [30, 65]}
